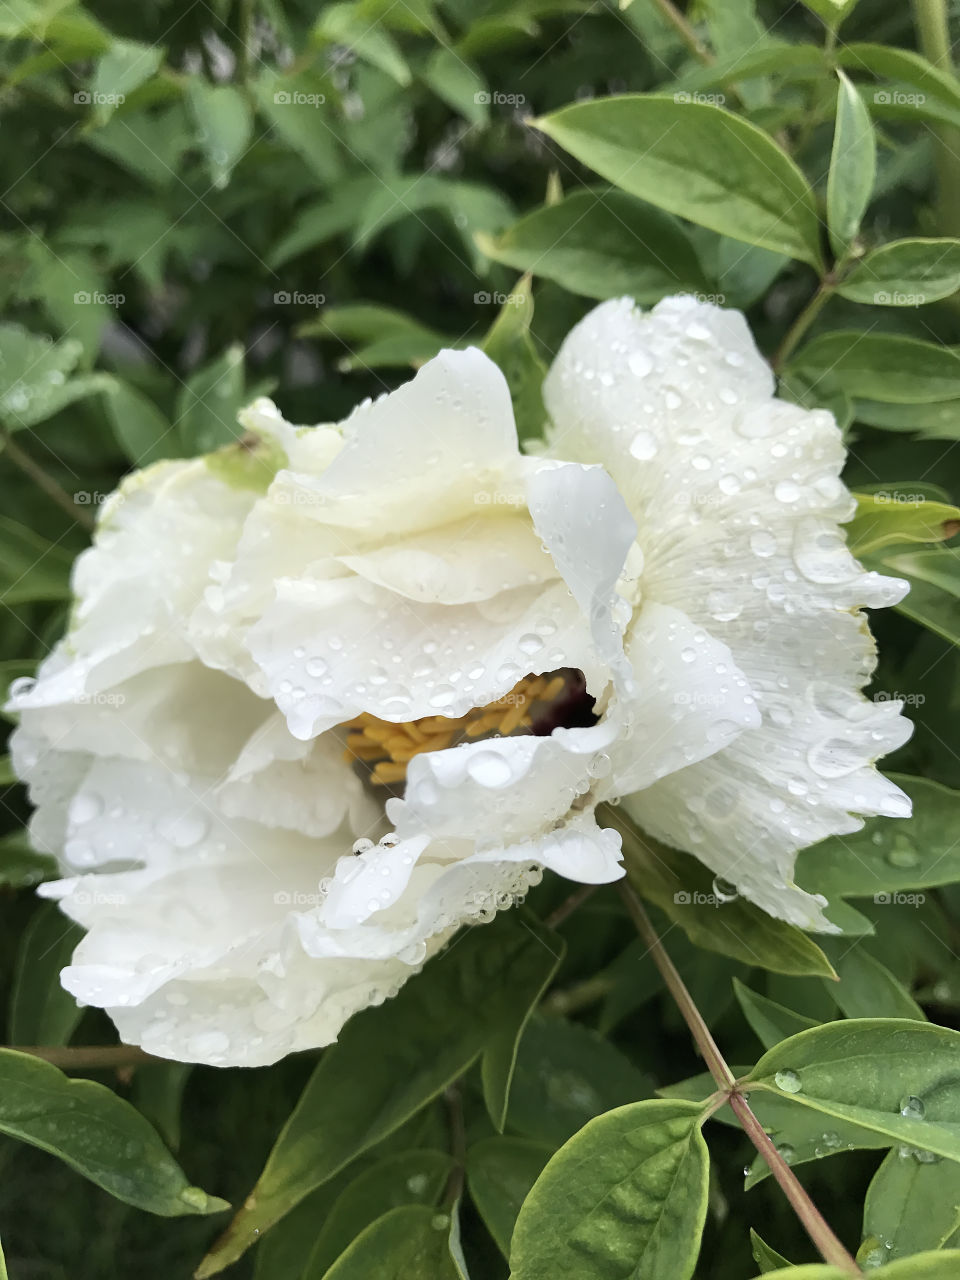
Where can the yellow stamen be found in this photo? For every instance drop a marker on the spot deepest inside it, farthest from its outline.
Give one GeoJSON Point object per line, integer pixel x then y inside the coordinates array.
{"type": "Point", "coordinates": [389, 747]}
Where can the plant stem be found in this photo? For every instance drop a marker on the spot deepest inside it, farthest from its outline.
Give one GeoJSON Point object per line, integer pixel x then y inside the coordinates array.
{"type": "Point", "coordinates": [580, 996]}
{"type": "Point", "coordinates": [569, 905]}
{"type": "Point", "coordinates": [685, 31]}
{"type": "Point", "coordinates": [933, 30]}
{"type": "Point", "coordinates": [818, 1229]}
{"type": "Point", "coordinates": [87, 1057]}
{"type": "Point", "coordinates": [20, 458]}
{"type": "Point", "coordinates": [802, 323]}
{"type": "Point", "coordinates": [458, 1145]}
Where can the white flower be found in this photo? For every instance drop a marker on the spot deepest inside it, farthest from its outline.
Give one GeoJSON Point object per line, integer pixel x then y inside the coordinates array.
{"type": "Point", "coordinates": [419, 635]}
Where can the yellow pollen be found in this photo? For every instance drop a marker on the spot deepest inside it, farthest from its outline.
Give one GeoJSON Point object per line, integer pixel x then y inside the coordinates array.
{"type": "Point", "coordinates": [389, 747]}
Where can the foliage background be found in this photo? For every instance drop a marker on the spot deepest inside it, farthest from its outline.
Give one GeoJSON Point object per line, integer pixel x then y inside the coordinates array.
{"type": "Point", "coordinates": [307, 200]}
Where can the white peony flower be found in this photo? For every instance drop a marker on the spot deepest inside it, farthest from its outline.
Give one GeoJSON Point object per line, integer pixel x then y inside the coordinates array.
{"type": "Point", "coordinates": [412, 633]}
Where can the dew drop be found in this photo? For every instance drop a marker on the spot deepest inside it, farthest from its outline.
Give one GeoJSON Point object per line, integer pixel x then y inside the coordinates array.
{"type": "Point", "coordinates": [788, 1081]}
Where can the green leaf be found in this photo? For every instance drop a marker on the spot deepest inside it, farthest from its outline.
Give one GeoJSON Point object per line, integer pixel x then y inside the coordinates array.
{"type": "Point", "coordinates": [500, 1173]}
{"type": "Point", "coordinates": [387, 1063]}
{"type": "Point", "coordinates": [683, 888]}
{"type": "Point", "coordinates": [207, 406]}
{"type": "Point", "coordinates": [903, 65]}
{"type": "Point", "coordinates": [885, 859]}
{"type": "Point", "coordinates": [602, 244]}
{"type": "Point", "coordinates": [529, 984]}
{"type": "Point", "coordinates": [889, 516]}
{"type": "Point", "coordinates": [565, 1075]}
{"type": "Point", "coordinates": [224, 125]}
{"type": "Point", "coordinates": [41, 1012]}
{"type": "Point", "coordinates": [409, 1243]}
{"type": "Point", "coordinates": [459, 85]}
{"type": "Point", "coordinates": [627, 1195]}
{"type": "Point", "coordinates": [411, 1177]}
{"type": "Point", "coordinates": [32, 568]}
{"type": "Point", "coordinates": [125, 67]}
{"type": "Point", "coordinates": [853, 168]}
{"type": "Point", "coordinates": [883, 366]}
{"type": "Point", "coordinates": [867, 988]}
{"type": "Point", "coordinates": [769, 1021]}
{"type": "Point", "coordinates": [20, 864]}
{"type": "Point", "coordinates": [157, 1093]}
{"type": "Point", "coordinates": [925, 1266]}
{"type": "Point", "coordinates": [96, 1133]}
{"type": "Point", "coordinates": [939, 420]}
{"type": "Point", "coordinates": [832, 12]}
{"type": "Point", "coordinates": [295, 105]}
{"type": "Point", "coordinates": [905, 273]}
{"type": "Point", "coordinates": [767, 1259]}
{"type": "Point", "coordinates": [934, 598]}
{"type": "Point", "coordinates": [698, 161]}
{"type": "Point", "coordinates": [347, 24]}
{"type": "Point", "coordinates": [867, 1071]}
{"type": "Point", "coordinates": [143, 433]}
{"type": "Point", "coordinates": [509, 344]}
{"type": "Point", "coordinates": [375, 336]}
{"type": "Point", "coordinates": [911, 1206]}
{"type": "Point", "coordinates": [34, 376]}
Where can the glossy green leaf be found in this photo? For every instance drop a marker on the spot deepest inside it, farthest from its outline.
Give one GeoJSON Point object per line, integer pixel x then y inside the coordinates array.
{"type": "Point", "coordinates": [509, 343]}
{"type": "Point", "coordinates": [41, 1011]}
{"type": "Point", "coordinates": [867, 988]}
{"type": "Point", "coordinates": [883, 366]}
{"type": "Point", "coordinates": [500, 1173]}
{"type": "Point", "coordinates": [376, 337]}
{"type": "Point", "coordinates": [348, 25]}
{"type": "Point", "coordinates": [926, 1266]}
{"type": "Point", "coordinates": [868, 1071]}
{"type": "Point", "coordinates": [903, 65]}
{"type": "Point", "coordinates": [938, 420]}
{"type": "Point", "coordinates": [769, 1021]}
{"type": "Point", "coordinates": [565, 1075]}
{"type": "Point", "coordinates": [627, 1195]}
{"type": "Point", "coordinates": [387, 1063]}
{"type": "Point", "coordinates": [224, 125]}
{"type": "Point", "coordinates": [143, 433]}
{"type": "Point", "coordinates": [767, 1259]}
{"type": "Point", "coordinates": [35, 381]}
{"type": "Point", "coordinates": [207, 406]}
{"type": "Point", "coordinates": [125, 66]}
{"type": "Point", "coordinates": [891, 515]}
{"type": "Point", "coordinates": [911, 1206]}
{"type": "Point", "coordinates": [886, 859]}
{"type": "Point", "coordinates": [529, 983]}
{"type": "Point", "coordinates": [905, 273]}
{"type": "Point", "coordinates": [409, 1243]}
{"type": "Point", "coordinates": [459, 84]}
{"type": "Point", "coordinates": [683, 888]}
{"type": "Point", "coordinates": [32, 567]}
{"type": "Point", "coordinates": [408, 1178]}
{"type": "Point", "coordinates": [96, 1133]}
{"type": "Point", "coordinates": [603, 244]}
{"type": "Point", "coordinates": [696, 160]}
{"type": "Point", "coordinates": [853, 168]}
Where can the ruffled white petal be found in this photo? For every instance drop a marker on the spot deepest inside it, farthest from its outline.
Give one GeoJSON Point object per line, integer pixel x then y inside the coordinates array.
{"type": "Point", "coordinates": [738, 500]}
